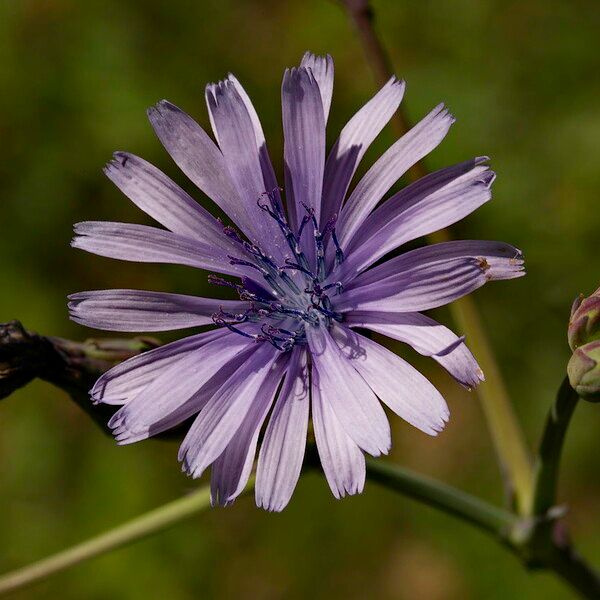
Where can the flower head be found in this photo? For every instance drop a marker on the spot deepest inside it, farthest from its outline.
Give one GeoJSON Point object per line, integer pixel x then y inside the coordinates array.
{"type": "Point", "coordinates": [308, 274]}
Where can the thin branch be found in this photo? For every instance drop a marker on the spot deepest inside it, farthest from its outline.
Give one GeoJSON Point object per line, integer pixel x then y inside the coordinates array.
{"type": "Point", "coordinates": [132, 531]}
{"type": "Point", "coordinates": [448, 499]}
{"type": "Point", "coordinates": [573, 569]}
{"type": "Point", "coordinates": [538, 542]}
{"type": "Point", "coordinates": [71, 366]}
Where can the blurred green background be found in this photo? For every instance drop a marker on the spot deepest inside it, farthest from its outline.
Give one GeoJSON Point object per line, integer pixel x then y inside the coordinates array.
{"type": "Point", "coordinates": [75, 80]}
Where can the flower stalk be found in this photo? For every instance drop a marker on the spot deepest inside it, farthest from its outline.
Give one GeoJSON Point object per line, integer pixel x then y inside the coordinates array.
{"type": "Point", "coordinates": [69, 365]}
{"type": "Point", "coordinates": [152, 522]}
{"type": "Point", "coordinates": [538, 543]}
{"type": "Point", "coordinates": [550, 450]}
{"type": "Point", "coordinates": [493, 520]}
{"type": "Point", "coordinates": [436, 494]}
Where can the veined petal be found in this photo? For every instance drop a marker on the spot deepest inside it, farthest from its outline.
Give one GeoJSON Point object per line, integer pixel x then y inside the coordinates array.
{"type": "Point", "coordinates": [407, 151]}
{"type": "Point", "coordinates": [350, 398]}
{"type": "Point", "coordinates": [235, 131]}
{"type": "Point", "coordinates": [125, 380]}
{"type": "Point", "coordinates": [397, 384]}
{"type": "Point", "coordinates": [355, 139]}
{"type": "Point", "coordinates": [230, 472]}
{"type": "Point", "coordinates": [424, 286]}
{"type": "Point", "coordinates": [282, 450]}
{"type": "Point", "coordinates": [179, 391]}
{"type": "Point", "coordinates": [140, 243]}
{"type": "Point", "coordinates": [431, 203]}
{"type": "Point", "coordinates": [427, 337]}
{"type": "Point", "coordinates": [197, 156]}
{"type": "Point", "coordinates": [161, 198]}
{"type": "Point", "coordinates": [132, 424]}
{"type": "Point", "coordinates": [269, 177]}
{"type": "Point", "coordinates": [499, 260]}
{"type": "Point", "coordinates": [322, 70]}
{"type": "Point", "coordinates": [342, 460]}
{"type": "Point", "coordinates": [140, 310]}
{"type": "Point", "coordinates": [223, 414]}
{"type": "Point", "coordinates": [304, 143]}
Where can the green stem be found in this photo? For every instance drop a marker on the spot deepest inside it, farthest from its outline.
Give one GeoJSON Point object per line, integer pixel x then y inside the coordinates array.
{"type": "Point", "coordinates": [471, 509]}
{"type": "Point", "coordinates": [538, 544]}
{"type": "Point", "coordinates": [136, 529]}
{"type": "Point", "coordinates": [548, 457]}
{"type": "Point", "coordinates": [575, 571]}
{"type": "Point", "coordinates": [539, 547]}
{"type": "Point", "coordinates": [513, 455]}
{"type": "Point", "coordinates": [508, 438]}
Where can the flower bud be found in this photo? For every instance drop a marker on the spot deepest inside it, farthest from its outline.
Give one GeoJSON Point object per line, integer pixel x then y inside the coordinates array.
{"type": "Point", "coordinates": [584, 371]}
{"type": "Point", "coordinates": [584, 324]}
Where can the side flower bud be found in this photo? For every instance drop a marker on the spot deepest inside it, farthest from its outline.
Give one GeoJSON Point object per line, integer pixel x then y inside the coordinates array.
{"type": "Point", "coordinates": [584, 324]}
{"type": "Point", "coordinates": [584, 371]}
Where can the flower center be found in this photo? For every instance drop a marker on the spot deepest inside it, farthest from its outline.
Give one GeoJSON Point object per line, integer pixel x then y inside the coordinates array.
{"type": "Point", "coordinates": [293, 295]}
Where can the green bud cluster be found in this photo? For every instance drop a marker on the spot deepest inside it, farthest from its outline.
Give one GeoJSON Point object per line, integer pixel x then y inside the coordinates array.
{"type": "Point", "coordinates": [584, 339]}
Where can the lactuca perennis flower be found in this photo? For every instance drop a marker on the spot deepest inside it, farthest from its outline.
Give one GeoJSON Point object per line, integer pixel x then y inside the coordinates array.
{"type": "Point", "coordinates": [306, 280]}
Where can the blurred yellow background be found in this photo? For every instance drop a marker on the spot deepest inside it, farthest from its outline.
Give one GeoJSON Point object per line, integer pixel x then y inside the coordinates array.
{"type": "Point", "coordinates": [75, 79]}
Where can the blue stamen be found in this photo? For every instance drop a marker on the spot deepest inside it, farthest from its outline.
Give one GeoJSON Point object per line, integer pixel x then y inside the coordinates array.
{"type": "Point", "coordinates": [281, 308]}
{"type": "Point", "coordinates": [339, 254]}
{"type": "Point", "coordinates": [221, 322]}
{"type": "Point", "coordinates": [246, 263]}
{"type": "Point", "coordinates": [305, 220]}
{"type": "Point", "coordinates": [330, 228]}
{"type": "Point", "coordinates": [337, 284]}
{"type": "Point", "coordinates": [290, 282]}
{"type": "Point", "coordinates": [296, 267]}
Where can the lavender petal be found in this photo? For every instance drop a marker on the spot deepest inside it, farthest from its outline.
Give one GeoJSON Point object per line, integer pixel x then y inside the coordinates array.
{"type": "Point", "coordinates": [431, 276]}
{"type": "Point", "coordinates": [397, 384]}
{"type": "Point", "coordinates": [342, 460]}
{"type": "Point", "coordinates": [407, 151]}
{"type": "Point", "coordinates": [304, 143]}
{"type": "Point", "coordinates": [140, 243]}
{"type": "Point", "coordinates": [180, 390]}
{"type": "Point", "coordinates": [235, 132]}
{"type": "Point", "coordinates": [161, 198]}
{"type": "Point", "coordinates": [230, 472]}
{"type": "Point", "coordinates": [350, 398]}
{"type": "Point", "coordinates": [197, 156]}
{"type": "Point", "coordinates": [499, 260]}
{"type": "Point", "coordinates": [422, 287]}
{"type": "Point", "coordinates": [354, 140]}
{"type": "Point", "coordinates": [427, 337]}
{"type": "Point", "coordinates": [431, 203]}
{"type": "Point", "coordinates": [223, 414]}
{"type": "Point", "coordinates": [282, 451]}
{"type": "Point", "coordinates": [322, 70]}
{"type": "Point", "coordinates": [140, 310]}
{"type": "Point", "coordinates": [125, 380]}
{"type": "Point", "coordinates": [268, 172]}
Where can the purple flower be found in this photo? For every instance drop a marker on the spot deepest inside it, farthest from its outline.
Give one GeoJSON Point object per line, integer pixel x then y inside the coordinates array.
{"type": "Point", "coordinates": [307, 277]}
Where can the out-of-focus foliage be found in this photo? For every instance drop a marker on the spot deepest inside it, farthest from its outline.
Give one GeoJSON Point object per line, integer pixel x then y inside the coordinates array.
{"type": "Point", "coordinates": [75, 80]}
